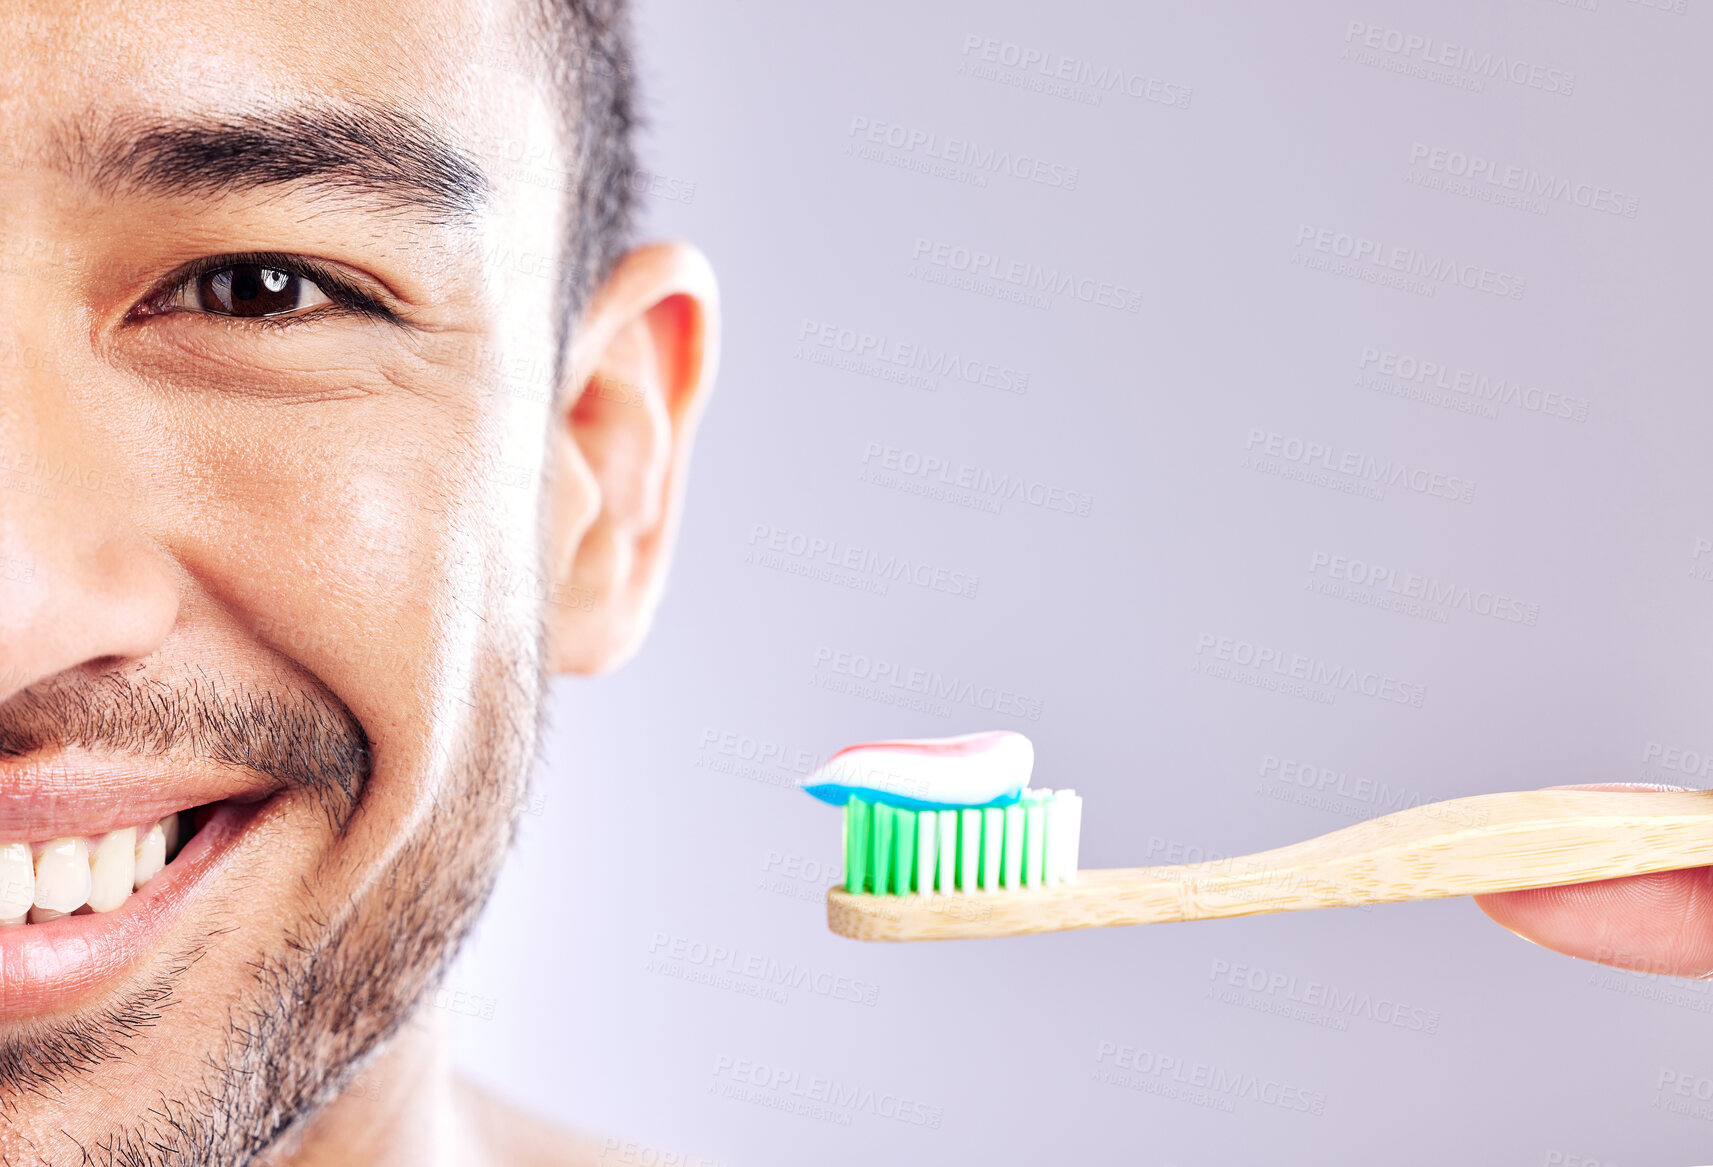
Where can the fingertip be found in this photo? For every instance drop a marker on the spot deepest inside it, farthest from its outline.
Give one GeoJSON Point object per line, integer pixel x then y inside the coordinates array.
{"type": "Point", "coordinates": [1658, 923]}
{"type": "Point", "coordinates": [1498, 908]}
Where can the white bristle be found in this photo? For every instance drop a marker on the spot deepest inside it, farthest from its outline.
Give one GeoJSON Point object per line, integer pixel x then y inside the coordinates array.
{"type": "Point", "coordinates": [926, 821]}
{"type": "Point", "coordinates": [1063, 814]}
{"type": "Point", "coordinates": [969, 850]}
{"type": "Point", "coordinates": [1013, 875]}
{"type": "Point", "coordinates": [1073, 832]}
{"type": "Point", "coordinates": [1034, 844]}
{"type": "Point", "coordinates": [992, 846]}
{"type": "Point", "coordinates": [1055, 857]}
{"type": "Point", "coordinates": [946, 868]}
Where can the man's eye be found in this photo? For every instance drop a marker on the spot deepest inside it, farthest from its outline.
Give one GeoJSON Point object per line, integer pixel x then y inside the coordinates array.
{"type": "Point", "coordinates": [265, 286]}
{"type": "Point", "coordinates": [248, 289]}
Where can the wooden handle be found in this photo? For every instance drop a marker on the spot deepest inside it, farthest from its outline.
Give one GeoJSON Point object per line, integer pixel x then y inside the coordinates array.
{"type": "Point", "coordinates": [1467, 846]}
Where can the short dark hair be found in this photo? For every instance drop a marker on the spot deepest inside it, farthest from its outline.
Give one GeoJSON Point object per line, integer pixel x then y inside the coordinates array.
{"type": "Point", "coordinates": [587, 54]}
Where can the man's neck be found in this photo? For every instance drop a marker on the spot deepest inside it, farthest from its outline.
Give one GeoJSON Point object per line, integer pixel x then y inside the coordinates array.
{"type": "Point", "coordinates": [406, 1108]}
{"type": "Point", "coordinates": [401, 1108]}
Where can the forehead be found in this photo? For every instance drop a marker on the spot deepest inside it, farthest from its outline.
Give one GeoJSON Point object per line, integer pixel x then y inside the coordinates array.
{"type": "Point", "coordinates": [463, 66]}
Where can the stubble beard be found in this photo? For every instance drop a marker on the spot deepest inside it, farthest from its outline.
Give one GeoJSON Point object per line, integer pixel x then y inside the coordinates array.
{"type": "Point", "coordinates": [328, 994]}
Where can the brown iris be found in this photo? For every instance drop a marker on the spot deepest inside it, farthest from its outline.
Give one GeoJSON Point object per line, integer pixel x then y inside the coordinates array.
{"type": "Point", "coordinates": [249, 289]}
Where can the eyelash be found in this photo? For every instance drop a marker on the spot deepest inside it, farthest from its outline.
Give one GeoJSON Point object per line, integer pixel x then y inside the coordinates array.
{"type": "Point", "coordinates": [345, 297]}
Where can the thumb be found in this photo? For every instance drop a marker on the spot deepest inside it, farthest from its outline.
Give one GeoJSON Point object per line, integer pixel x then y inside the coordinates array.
{"type": "Point", "coordinates": [1659, 923]}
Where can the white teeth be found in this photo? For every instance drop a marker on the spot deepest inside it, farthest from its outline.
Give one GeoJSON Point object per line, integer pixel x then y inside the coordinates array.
{"type": "Point", "coordinates": [151, 854]}
{"type": "Point", "coordinates": [17, 883]}
{"type": "Point", "coordinates": [112, 870]}
{"type": "Point", "coordinates": [62, 875]}
{"type": "Point", "coordinates": [45, 881]}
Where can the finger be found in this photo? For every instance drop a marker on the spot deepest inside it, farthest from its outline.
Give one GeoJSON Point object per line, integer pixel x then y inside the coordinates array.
{"type": "Point", "coordinates": [1659, 923]}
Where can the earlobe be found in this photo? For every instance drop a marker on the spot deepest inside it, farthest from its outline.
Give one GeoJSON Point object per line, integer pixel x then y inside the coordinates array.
{"type": "Point", "coordinates": [642, 365]}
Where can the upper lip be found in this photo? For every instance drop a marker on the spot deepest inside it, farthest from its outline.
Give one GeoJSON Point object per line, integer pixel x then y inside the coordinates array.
{"type": "Point", "coordinates": [72, 792]}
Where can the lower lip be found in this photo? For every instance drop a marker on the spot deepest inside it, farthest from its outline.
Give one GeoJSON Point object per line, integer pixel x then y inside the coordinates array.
{"type": "Point", "coordinates": [47, 966]}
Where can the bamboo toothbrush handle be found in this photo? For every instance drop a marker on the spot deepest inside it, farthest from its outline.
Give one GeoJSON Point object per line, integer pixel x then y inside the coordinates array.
{"type": "Point", "coordinates": [1467, 846]}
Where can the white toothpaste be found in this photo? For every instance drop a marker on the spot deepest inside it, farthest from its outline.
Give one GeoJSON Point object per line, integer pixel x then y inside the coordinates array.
{"type": "Point", "coordinates": [974, 769]}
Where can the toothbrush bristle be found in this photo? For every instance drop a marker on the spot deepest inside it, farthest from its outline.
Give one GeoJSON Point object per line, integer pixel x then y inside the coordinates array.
{"type": "Point", "coordinates": [1031, 843]}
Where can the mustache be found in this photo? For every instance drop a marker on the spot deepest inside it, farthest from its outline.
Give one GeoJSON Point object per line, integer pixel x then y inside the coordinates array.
{"type": "Point", "coordinates": [297, 737]}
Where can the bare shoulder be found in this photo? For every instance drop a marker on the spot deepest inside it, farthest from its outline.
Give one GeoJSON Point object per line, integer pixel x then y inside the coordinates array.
{"type": "Point", "coordinates": [512, 1138]}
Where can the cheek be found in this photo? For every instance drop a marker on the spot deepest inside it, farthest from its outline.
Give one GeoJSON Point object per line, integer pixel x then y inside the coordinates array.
{"type": "Point", "coordinates": [374, 557]}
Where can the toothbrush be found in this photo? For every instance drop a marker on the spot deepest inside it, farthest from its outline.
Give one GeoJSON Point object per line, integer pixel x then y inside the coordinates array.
{"type": "Point", "coordinates": [943, 841]}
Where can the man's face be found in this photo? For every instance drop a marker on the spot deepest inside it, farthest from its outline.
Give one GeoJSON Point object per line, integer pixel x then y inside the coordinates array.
{"type": "Point", "coordinates": [275, 536]}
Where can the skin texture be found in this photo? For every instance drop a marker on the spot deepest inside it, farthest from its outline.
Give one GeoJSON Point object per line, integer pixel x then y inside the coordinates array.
{"type": "Point", "coordinates": [347, 552]}
{"type": "Point", "coordinates": [1660, 923]}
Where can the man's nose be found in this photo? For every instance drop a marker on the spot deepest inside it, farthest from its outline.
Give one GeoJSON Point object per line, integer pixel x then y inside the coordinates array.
{"type": "Point", "coordinates": [79, 582]}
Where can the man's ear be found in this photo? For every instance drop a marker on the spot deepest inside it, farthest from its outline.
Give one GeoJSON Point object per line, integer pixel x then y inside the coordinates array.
{"type": "Point", "coordinates": [642, 364]}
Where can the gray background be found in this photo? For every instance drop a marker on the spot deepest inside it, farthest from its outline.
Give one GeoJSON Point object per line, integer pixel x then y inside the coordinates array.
{"type": "Point", "coordinates": [656, 963]}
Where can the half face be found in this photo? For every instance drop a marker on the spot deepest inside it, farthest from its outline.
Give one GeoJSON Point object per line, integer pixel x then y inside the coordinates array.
{"type": "Point", "coordinates": [275, 341]}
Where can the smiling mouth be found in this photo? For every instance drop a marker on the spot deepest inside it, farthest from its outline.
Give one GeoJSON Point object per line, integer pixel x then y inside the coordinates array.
{"type": "Point", "coordinates": [83, 909]}
{"type": "Point", "coordinates": [80, 874]}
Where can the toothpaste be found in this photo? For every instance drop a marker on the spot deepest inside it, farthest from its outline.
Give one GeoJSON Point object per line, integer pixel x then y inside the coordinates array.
{"type": "Point", "coordinates": [972, 770]}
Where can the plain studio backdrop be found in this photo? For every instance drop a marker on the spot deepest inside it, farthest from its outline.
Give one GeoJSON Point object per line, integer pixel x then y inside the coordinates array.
{"type": "Point", "coordinates": [1283, 414]}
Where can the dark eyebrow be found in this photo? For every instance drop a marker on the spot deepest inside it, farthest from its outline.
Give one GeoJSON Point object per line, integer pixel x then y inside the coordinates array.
{"type": "Point", "coordinates": [386, 158]}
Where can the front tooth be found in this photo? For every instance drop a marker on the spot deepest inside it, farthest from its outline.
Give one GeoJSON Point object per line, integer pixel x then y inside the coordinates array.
{"type": "Point", "coordinates": [17, 883]}
{"type": "Point", "coordinates": [112, 870]}
{"type": "Point", "coordinates": [151, 854]}
{"type": "Point", "coordinates": [62, 876]}
{"type": "Point", "coordinates": [170, 826]}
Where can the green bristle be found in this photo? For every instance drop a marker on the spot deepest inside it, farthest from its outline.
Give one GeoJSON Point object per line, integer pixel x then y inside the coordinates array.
{"type": "Point", "coordinates": [882, 847]}
{"type": "Point", "coordinates": [892, 851]}
{"type": "Point", "coordinates": [903, 852]}
{"type": "Point", "coordinates": [859, 869]}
